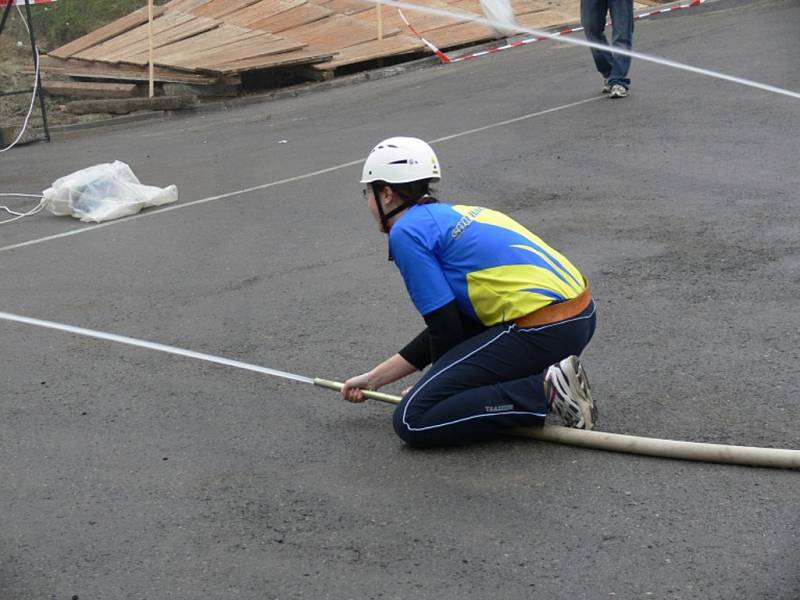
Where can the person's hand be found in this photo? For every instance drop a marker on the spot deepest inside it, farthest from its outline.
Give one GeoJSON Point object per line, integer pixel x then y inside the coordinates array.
{"type": "Point", "coordinates": [405, 391]}
{"type": "Point", "coordinates": [351, 389]}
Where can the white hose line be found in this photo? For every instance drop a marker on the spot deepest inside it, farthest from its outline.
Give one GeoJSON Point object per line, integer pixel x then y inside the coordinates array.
{"type": "Point", "coordinates": [698, 451]}
{"type": "Point", "coordinates": [598, 440]}
{"type": "Point", "coordinates": [631, 444]}
{"type": "Point", "coordinates": [112, 337]}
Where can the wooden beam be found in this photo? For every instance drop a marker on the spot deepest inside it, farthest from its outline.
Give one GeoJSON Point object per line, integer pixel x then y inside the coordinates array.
{"type": "Point", "coordinates": [129, 105]}
{"type": "Point", "coordinates": [457, 35]}
{"type": "Point", "coordinates": [90, 89]}
{"type": "Point", "coordinates": [345, 7]}
{"type": "Point", "coordinates": [294, 17]}
{"type": "Point", "coordinates": [216, 10]}
{"type": "Point", "coordinates": [209, 40]}
{"type": "Point", "coordinates": [184, 6]}
{"type": "Point", "coordinates": [139, 34]}
{"type": "Point", "coordinates": [235, 52]}
{"type": "Point", "coordinates": [335, 33]}
{"type": "Point", "coordinates": [74, 67]}
{"type": "Point", "coordinates": [113, 29]}
{"type": "Point", "coordinates": [184, 31]}
{"type": "Point", "coordinates": [261, 10]}
{"type": "Point", "coordinates": [284, 59]}
{"type": "Point", "coordinates": [422, 22]}
{"type": "Point", "coordinates": [399, 44]}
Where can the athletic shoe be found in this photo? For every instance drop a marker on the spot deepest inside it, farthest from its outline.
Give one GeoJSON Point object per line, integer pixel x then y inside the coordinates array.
{"type": "Point", "coordinates": [618, 91]}
{"type": "Point", "coordinates": [569, 394]}
{"type": "Point", "coordinates": [606, 86]}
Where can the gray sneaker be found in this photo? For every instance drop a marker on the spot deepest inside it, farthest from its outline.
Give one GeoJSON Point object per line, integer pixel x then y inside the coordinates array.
{"type": "Point", "coordinates": [569, 394]}
{"type": "Point", "coordinates": [618, 91]}
{"type": "Point", "coordinates": [606, 86]}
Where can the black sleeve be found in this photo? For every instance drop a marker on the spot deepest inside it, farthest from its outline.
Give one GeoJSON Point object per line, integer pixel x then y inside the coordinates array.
{"type": "Point", "coordinates": [445, 329]}
{"type": "Point", "coordinates": [418, 350]}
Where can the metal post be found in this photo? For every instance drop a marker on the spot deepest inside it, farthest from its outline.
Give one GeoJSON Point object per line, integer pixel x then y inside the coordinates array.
{"type": "Point", "coordinates": [5, 16]}
{"type": "Point", "coordinates": [35, 52]}
{"type": "Point", "coordinates": [150, 59]}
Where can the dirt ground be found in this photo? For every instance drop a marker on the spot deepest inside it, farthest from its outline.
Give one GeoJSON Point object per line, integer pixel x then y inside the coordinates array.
{"type": "Point", "coordinates": [16, 73]}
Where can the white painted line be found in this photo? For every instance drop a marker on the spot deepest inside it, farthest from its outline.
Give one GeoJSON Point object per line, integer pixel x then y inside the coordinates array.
{"type": "Point", "coordinates": [263, 186]}
{"type": "Point", "coordinates": [153, 213]}
{"type": "Point", "coordinates": [516, 120]}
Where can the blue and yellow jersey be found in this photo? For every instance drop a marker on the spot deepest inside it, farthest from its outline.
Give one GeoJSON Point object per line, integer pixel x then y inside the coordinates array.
{"type": "Point", "coordinates": [493, 267]}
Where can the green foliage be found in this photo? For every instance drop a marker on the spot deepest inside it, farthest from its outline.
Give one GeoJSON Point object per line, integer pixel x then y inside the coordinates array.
{"type": "Point", "coordinates": [65, 20]}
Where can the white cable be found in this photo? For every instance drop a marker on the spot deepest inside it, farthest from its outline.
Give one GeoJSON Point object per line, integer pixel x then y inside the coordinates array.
{"type": "Point", "coordinates": [19, 215]}
{"type": "Point", "coordinates": [21, 16]}
{"type": "Point", "coordinates": [33, 96]}
{"type": "Point", "coordinates": [20, 195]}
{"type": "Point", "coordinates": [9, 211]}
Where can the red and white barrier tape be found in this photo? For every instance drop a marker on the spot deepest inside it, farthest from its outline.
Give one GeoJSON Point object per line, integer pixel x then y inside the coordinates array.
{"type": "Point", "coordinates": [446, 59]}
{"type": "Point", "coordinates": [22, 2]}
{"type": "Point", "coordinates": [442, 56]}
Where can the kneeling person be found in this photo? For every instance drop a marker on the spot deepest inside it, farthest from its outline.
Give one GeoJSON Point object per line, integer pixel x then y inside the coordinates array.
{"type": "Point", "coordinates": [506, 314]}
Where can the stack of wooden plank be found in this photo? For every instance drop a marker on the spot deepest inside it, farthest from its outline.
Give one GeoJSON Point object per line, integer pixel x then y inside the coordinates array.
{"type": "Point", "coordinates": [212, 41]}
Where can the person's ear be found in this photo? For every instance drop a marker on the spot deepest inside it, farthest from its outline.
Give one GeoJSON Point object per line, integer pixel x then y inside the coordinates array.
{"type": "Point", "coordinates": [390, 199]}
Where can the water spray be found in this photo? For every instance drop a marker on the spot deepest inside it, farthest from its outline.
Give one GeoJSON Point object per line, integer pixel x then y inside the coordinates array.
{"type": "Point", "coordinates": [598, 440]}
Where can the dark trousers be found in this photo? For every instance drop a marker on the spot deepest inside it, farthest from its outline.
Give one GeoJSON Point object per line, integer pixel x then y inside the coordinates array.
{"type": "Point", "coordinates": [489, 383]}
{"type": "Point", "coordinates": [613, 67]}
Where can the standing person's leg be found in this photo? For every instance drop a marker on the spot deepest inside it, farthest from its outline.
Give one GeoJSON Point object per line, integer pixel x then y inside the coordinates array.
{"type": "Point", "coordinates": [488, 384]}
{"type": "Point", "coordinates": [622, 37]}
{"type": "Point", "coordinates": [593, 21]}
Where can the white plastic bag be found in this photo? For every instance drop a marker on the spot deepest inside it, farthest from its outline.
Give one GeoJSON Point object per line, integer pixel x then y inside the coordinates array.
{"type": "Point", "coordinates": [103, 193]}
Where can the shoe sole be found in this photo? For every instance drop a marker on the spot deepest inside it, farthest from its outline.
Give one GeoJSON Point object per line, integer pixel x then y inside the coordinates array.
{"type": "Point", "coordinates": [579, 380]}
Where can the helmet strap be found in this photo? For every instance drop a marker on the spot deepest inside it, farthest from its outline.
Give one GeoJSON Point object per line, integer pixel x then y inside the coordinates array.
{"type": "Point", "coordinates": [398, 210]}
{"type": "Point", "coordinates": [379, 204]}
{"type": "Point", "coordinates": [384, 217]}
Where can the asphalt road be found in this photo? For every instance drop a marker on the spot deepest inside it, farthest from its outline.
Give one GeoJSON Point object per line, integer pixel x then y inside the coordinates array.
{"type": "Point", "coordinates": [127, 473]}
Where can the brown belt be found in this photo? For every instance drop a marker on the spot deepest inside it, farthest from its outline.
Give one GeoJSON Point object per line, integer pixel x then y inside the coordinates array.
{"type": "Point", "coordinates": [553, 313]}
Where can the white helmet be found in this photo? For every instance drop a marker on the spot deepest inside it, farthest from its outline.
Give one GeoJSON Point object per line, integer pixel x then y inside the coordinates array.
{"type": "Point", "coordinates": [401, 160]}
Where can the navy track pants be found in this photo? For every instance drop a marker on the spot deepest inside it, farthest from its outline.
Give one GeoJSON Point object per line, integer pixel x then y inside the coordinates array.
{"type": "Point", "coordinates": [489, 383]}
